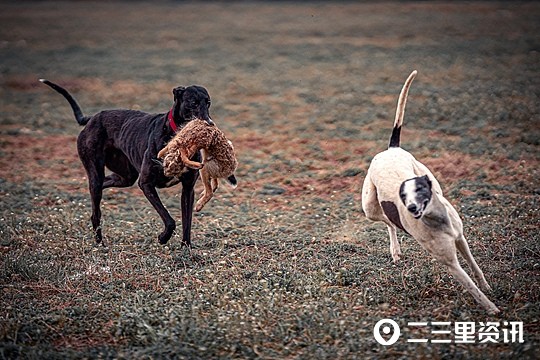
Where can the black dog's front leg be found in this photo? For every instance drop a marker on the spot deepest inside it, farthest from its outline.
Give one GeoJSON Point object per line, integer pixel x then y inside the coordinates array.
{"type": "Point", "coordinates": [147, 183]}
{"type": "Point", "coordinates": [187, 200]}
{"type": "Point", "coordinates": [151, 194]}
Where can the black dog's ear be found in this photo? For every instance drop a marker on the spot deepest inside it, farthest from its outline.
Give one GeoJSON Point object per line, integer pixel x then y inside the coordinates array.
{"type": "Point", "coordinates": [178, 91]}
{"type": "Point", "coordinates": [428, 180]}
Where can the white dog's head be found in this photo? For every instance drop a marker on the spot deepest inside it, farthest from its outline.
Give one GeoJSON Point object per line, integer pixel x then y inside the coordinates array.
{"type": "Point", "coordinates": [416, 194]}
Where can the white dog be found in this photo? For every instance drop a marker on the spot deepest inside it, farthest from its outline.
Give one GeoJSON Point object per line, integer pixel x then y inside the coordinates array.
{"type": "Point", "coordinates": [401, 192]}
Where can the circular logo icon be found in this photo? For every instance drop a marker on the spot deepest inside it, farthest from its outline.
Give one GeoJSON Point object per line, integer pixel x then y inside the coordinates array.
{"type": "Point", "coordinates": [388, 326]}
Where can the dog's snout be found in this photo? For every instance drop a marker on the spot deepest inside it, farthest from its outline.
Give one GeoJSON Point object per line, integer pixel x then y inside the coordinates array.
{"type": "Point", "coordinates": [209, 121]}
{"type": "Point", "coordinates": [412, 208]}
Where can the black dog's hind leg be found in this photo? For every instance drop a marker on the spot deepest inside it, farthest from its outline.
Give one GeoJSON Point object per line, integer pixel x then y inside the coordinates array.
{"type": "Point", "coordinates": [124, 174]}
{"type": "Point", "coordinates": [95, 169]}
{"type": "Point", "coordinates": [115, 180]}
{"type": "Point", "coordinates": [96, 187]}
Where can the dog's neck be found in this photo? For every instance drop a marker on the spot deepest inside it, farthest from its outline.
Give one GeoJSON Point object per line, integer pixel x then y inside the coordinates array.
{"type": "Point", "coordinates": [435, 214]}
{"type": "Point", "coordinates": [171, 120]}
{"type": "Point", "coordinates": [170, 117]}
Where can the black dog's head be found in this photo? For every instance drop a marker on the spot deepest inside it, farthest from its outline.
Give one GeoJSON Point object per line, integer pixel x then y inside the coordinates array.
{"type": "Point", "coordinates": [192, 102]}
{"type": "Point", "coordinates": [416, 194]}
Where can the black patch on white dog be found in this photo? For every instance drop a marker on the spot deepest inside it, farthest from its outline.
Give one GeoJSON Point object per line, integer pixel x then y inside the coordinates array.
{"type": "Point", "coordinates": [392, 213]}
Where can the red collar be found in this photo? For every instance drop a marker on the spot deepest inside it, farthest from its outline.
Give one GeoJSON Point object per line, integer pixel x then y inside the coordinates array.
{"type": "Point", "coordinates": [171, 120]}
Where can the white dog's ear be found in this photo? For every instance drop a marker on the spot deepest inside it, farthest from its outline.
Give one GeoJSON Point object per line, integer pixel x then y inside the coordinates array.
{"type": "Point", "coordinates": [428, 180]}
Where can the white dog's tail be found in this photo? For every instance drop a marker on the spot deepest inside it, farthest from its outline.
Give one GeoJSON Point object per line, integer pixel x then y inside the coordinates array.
{"type": "Point", "coordinates": [400, 111]}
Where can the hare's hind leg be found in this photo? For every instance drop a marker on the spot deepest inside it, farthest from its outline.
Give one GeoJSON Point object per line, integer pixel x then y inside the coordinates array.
{"type": "Point", "coordinates": [207, 193]}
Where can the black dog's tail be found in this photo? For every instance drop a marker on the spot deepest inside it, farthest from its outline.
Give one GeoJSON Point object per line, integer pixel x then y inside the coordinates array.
{"type": "Point", "coordinates": [81, 119]}
{"type": "Point", "coordinates": [400, 111]}
{"type": "Point", "coordinates": [232, 180]}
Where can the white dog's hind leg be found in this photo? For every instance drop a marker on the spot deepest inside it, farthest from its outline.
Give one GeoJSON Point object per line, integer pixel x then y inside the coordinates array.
{"type": "Point", "coordinates": [395, 248]}
{"type": "Point", "coordinates": [370, 202]}
{"type": "Point", "coordinates": [463, 248]}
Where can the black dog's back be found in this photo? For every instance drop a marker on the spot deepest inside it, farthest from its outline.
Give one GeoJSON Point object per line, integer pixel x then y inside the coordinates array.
{"type": "Point", "coordinates": [118, 129]}
{"type": "Point", "coordinates": [124, 130]}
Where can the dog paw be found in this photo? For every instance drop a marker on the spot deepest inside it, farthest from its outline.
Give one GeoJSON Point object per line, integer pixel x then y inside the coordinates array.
{"type": "Point", "coordinates": [485, 287]}
{"type": "Point", "coordinates": [165, 236]}
{"type": "Point", "coordinates": [163, 239]}
{"type": "Point", "coordinates": [396, 254]}
{"type": "Point", "coordinates": [482, 283]}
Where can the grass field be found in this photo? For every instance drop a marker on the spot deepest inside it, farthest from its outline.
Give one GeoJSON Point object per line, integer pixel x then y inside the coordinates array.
{"type": "Point", "coordinates": [286, 266]}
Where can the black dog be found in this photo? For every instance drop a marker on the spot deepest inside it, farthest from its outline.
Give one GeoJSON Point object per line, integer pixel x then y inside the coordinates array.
{"type": "Point", "coordinates": [127, 143]}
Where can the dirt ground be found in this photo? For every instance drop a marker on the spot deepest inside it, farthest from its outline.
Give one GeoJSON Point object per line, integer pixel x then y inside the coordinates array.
{"type": "Point", "coordinates": [286, 265]}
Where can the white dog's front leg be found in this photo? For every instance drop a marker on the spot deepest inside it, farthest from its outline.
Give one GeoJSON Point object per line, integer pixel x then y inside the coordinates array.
{"type": "Point", "coordinates": [395, 248]}
{"type": "Point", "coordinates": [463, 248]}
{"type": "Point", "coordinates": [457, 271]}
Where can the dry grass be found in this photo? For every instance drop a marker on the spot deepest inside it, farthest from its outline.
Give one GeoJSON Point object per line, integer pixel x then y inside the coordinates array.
{"type": "Point", "coordinates": [286, 266]}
